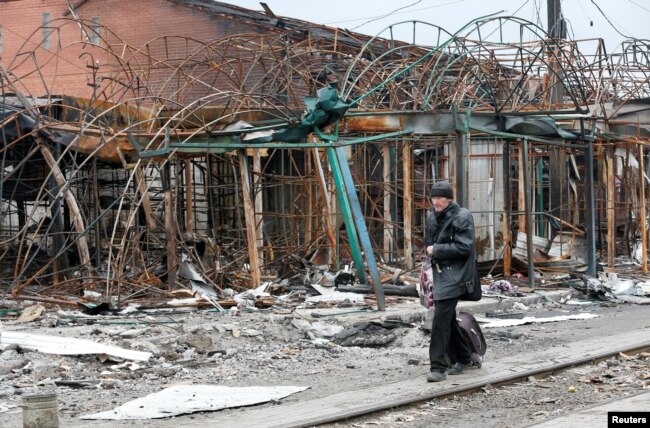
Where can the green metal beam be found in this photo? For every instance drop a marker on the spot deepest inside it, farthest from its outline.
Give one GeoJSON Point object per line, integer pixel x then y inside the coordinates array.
{"type": "Point", "coordinates": [347, 214]}
{"type": "Point", "coordinates": [361, 226]}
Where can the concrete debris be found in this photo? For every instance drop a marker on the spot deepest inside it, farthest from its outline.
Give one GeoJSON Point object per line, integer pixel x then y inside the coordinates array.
{"type": "Point", "coordinates": [318, 329]}
{"type": "Point", "coordinates": [518, 306]}
{"type": "Point", "coordinates": [642, 289]}
{"type": "Point", "coordinates": [369, 334]}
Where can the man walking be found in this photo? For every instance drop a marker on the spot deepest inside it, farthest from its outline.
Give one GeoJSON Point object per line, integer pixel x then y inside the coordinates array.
{"type": "Point", "coordinates": [450, 244]}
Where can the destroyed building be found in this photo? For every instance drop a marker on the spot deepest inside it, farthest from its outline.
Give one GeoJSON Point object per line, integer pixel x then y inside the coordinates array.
{"type": "Point", "coordinates": [144, 141]}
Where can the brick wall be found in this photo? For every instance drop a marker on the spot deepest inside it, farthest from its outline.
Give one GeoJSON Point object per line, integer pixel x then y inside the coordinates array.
{"type": "Point", "coordinates": [63, 67]}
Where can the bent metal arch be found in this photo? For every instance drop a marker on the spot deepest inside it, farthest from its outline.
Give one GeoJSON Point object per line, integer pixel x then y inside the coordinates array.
{"type": "Point", "coordinates": [474, 68]}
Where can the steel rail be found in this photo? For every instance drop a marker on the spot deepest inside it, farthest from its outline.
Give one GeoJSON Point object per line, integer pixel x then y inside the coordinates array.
{"type": "Point", "coordinates": [473, 386]}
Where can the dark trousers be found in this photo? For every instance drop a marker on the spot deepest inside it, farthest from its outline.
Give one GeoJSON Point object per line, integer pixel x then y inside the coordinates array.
{"type": "Point", "coordinates": [447, 345]}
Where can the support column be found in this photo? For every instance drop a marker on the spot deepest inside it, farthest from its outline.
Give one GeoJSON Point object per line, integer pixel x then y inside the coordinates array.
{"type": "Point", "coordinates": [170, 226]}
{"type": "Point", "coordinates": [611, 208]}
{"type": "Point", "coordinates": [407, 200]}
{"type": "Point", "coordinates": [189, 198]}
{"type": "Point", "coordinates": [144, 196]}
{"type": "Point", "coordinates": [460, 191]}
{"type": "Point", "coordinates": [259, 203]}
{"type": "Point", "coordinates": [557, 178]}
{"type": "Point", "coordinates": [249, 214]}
{"type": "Point", "coordinates": [529, 217]}
{"type": "Point", "coordinates": [591, 210]}
{"type": "Point", "coordinates": [507, 238]}
{"type": "Point", "coordinates": [309, 196]}
{"type": "Point", "coordinates": [642, 214]}
{"type": "Point", "coordinates": [96, 213]}
{"type": "Point", "coordinates": [327, 203]}
{"type": "Point", "coordinates": [389, 229]}
{"type": "Point", "coordinates": [521, 191]}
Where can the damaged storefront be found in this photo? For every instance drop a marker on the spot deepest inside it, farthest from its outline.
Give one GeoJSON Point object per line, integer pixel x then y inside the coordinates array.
{"type": "Point", "coordinates": [273, 164]}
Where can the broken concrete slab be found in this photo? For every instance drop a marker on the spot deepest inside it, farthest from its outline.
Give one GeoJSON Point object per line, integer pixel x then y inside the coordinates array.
{"type": "Point", "coordinates": [184, 399]}
{"type": "Point", "coordinates": [369, 333]}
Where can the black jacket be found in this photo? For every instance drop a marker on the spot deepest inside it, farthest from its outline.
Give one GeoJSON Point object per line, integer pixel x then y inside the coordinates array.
{"type": "Point", "coordinates": [453, 253]}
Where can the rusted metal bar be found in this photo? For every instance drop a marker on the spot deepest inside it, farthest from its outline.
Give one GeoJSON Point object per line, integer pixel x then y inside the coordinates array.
{"type": "Point", "coordinates": [529, 216]}
{"type": "Point", "coordinates": [407, 164]}
{"type": "Point", "coordinates": [643, 223]}
{"type": "Point", "coordinates": [249, 212]}
{"type": "Point", "coordinates": [611, 207]}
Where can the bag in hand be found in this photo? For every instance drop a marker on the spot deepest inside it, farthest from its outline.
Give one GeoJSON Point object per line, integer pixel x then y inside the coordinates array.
{"type": "Point", "coordinates": [474, 292]}
{"type": "Point", "coordinates": [425, 290]}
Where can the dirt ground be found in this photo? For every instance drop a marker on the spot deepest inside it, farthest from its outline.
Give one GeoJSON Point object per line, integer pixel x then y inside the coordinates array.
{"type": "Point", "coordinates": [264, 348]}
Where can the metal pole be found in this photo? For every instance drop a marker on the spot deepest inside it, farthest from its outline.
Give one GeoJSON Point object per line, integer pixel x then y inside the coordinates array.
{"type": "Point", "coordinates": [529, 217]}
{"type": "Point", "coordinates": [461, 152]}
{"type": "Point", "coordinates": [346, 211]}
{"type": "Point", "coordinates": [359, 220]}
{"type": "Point", "coordinates": [590, 225]}
{"type": "Point", "coordinates": [507, 251]}
{"type": "Point", "coordinates": [554, 18]}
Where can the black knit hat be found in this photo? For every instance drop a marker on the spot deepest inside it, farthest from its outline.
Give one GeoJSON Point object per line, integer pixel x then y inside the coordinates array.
{"type": "Point", "coordinates": [442, 189]}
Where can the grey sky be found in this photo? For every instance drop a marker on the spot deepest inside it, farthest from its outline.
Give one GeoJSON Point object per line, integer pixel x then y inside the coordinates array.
{"type": "Point", "coordinates": [630, 17]}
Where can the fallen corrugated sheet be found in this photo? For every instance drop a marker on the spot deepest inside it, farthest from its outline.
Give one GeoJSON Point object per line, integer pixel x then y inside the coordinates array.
{"type": "Point", "coordinates": [183, 399]}
{"type": "Point", "coordinates": [68, 346]}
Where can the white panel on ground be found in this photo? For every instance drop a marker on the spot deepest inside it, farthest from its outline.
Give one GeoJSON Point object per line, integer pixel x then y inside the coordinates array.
{"type": "Point", "coordinates": [491, 323]}
{"type": "Point", "coordinates": [184, 399]}
{"type": "Point", "coordinates": [68, 346]}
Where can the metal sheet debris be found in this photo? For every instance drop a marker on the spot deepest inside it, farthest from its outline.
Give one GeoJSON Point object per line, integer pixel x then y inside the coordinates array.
{"type": "Point", "coordinates": [68, 346]}
{"type": "Point", "coordinates": [492, 323]}
{"type": "Point", "coordinates": [184, 399]}
{"type": "Point", "coordinates": [328, 294]}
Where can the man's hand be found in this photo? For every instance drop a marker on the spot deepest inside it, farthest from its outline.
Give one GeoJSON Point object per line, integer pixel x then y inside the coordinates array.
{"type": "Point", "coordinates": [430, 250]}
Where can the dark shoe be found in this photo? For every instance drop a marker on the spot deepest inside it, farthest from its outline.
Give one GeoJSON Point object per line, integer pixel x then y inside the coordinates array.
{"type": "Point", "coordinates": [436, 376]}
{"type": "Point", "coordinates": [457, 368]}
